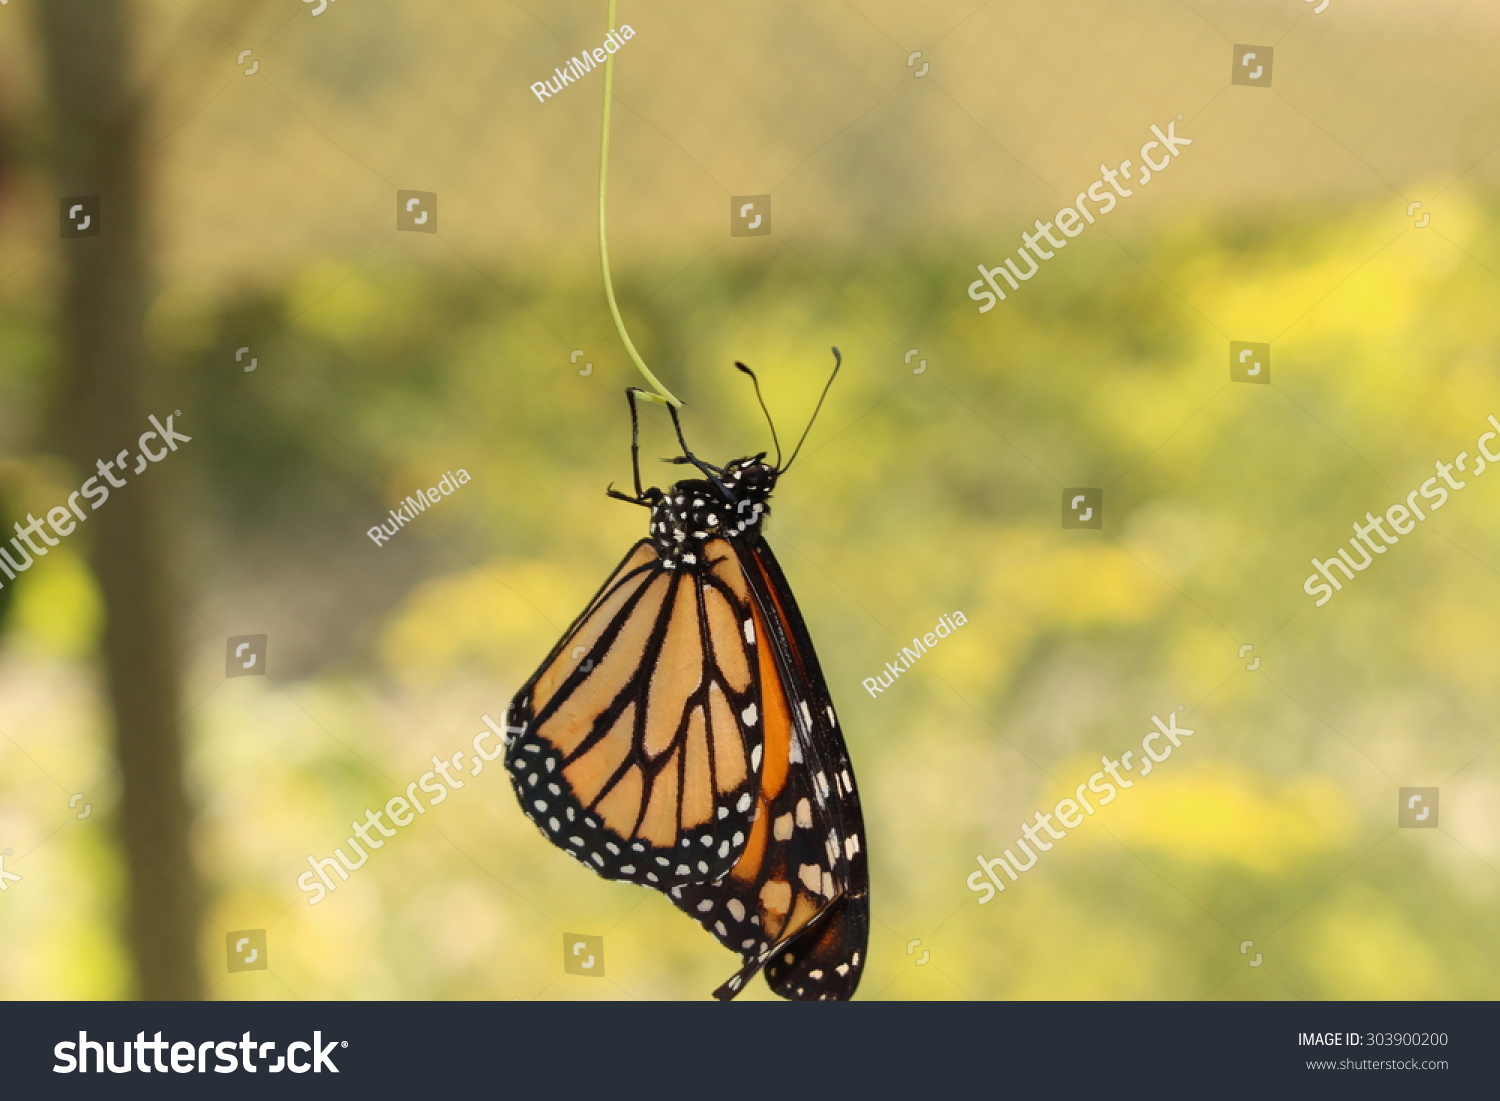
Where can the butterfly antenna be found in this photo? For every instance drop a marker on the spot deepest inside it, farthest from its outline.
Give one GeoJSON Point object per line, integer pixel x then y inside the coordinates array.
{"type": "Point", "coordinates": [838, 361]}
{"type": "Point", "coordinates": [756, 382]}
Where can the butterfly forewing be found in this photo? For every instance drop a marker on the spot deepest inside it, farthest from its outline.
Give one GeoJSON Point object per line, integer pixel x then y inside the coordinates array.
{"type": "Point", "coordinates": [636, 746]}
{"type": "Point", "coordinates": [797, 900]}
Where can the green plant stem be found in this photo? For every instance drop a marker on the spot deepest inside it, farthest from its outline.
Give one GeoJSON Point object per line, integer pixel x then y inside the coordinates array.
{"type": "Point", "coordinates": [658, 391]}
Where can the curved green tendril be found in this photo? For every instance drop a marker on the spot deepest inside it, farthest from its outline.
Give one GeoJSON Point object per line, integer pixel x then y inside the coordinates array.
{"type": "Point", "coordinates": [658, 391]}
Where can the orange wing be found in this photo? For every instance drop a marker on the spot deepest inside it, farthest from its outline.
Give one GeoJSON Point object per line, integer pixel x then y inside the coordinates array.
{"type": "Point", "coordinates": [637, 744]}
{"type": "Point", "coordinates": [797, 901]}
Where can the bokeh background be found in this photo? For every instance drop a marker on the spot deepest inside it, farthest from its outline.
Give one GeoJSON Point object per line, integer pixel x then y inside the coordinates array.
{"type": "Point", "coordinates": [258, 210]}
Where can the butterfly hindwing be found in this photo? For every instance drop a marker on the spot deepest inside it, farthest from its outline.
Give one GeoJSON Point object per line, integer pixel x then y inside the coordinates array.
{"type": "Point", "coordinates": [636, 746]}
{"type": "Point", "coordinates": [826, 959]}
{"type": "Point", "coordinates": [797, 901]}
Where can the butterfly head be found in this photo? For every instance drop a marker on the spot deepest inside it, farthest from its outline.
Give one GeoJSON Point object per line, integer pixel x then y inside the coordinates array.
{"type": "Point", "coordinates": [728, 503]}
{"type": "Point", "coordinates": [751, 479]}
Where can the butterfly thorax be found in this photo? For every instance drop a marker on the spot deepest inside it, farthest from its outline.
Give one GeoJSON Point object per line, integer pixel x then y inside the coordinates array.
{"type": "Point", "coordinates": [695, 510]}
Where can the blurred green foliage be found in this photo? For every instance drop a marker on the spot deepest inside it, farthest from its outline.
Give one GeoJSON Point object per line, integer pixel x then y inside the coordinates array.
{"type": "Point", "coordinates": [385, 359]}
{"type": "Point", "coordinates": [919, 494]}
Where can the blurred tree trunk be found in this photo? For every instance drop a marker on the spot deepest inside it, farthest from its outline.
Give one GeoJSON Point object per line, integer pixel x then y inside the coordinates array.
{"type": "Point", "coordinates": [103, 401]}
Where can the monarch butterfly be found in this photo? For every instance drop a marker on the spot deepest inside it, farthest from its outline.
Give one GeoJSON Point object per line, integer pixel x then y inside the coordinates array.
{"type": "Point", "coordinates": [680, 734]}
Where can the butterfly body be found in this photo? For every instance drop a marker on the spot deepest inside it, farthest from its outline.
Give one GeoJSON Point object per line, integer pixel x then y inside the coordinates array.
{"type": "Point", "coordinates": [681, 736]}
{"type": "Point", "coordinates": [693, 511]}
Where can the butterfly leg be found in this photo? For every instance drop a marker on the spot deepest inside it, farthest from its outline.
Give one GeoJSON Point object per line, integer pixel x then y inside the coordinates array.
{"type": "Point", "coordinates": [640, 497]}
{"type": "Point", "coordinates": [635, 440]}
{"type": "Point", "coordinates": [710, 472]}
